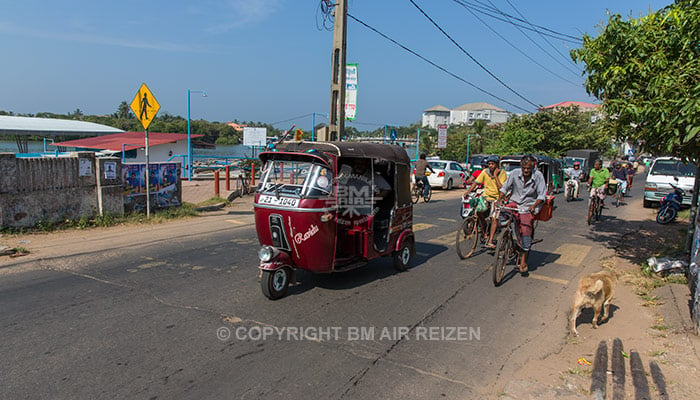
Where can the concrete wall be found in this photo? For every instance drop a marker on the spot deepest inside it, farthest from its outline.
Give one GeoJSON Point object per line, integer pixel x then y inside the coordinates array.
{"type": "Point", "coordinates": [56, 188]}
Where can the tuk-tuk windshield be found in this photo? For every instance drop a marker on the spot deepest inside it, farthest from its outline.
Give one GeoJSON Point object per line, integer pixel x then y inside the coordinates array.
{"type": "Point", "coordinates": [295, 178]}
{"type": "Point", "coordinates": [509, 166]}
{"type": "Point", "coordinates": [569, 161]}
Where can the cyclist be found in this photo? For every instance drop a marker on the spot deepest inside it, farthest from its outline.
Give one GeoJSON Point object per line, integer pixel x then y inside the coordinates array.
{"type": "Point", "coordinates": [528, 190]}
{"type": "Point", "coordinates": [475, 174]}
{"type": "Point", "coordinates": [421, 166]}
{"type": "Point", "coordinates": [598, 181]}
{"type": "Point", "coordinates": [619, 174]}
{"type": "Point", "coordinates": [492, 179]}
{"type": "Point", "coordinates": [575, 174]}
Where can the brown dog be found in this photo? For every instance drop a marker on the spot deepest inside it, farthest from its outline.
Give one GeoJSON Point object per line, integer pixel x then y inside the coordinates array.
{"type": "Point", "coordinates": [594, 290]}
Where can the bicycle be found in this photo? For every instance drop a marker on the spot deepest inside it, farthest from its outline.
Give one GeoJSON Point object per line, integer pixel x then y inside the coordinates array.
{"type": "Point", "coordinates": [509, 243]}
{"type": "Point", "coordinates": [473, 229]}
{"type": "Point", "coordinates": [244, 183]}
{"type": "Point", "coordinates": [595, 207]}
{"type": "Point", "coordinates": [617, 192]}
{"type": "Point", "coordinates": [417, 192]}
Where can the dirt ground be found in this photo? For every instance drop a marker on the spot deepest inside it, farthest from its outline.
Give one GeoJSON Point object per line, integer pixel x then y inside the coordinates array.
{"type": "Point", "coordinates": [651, 321]}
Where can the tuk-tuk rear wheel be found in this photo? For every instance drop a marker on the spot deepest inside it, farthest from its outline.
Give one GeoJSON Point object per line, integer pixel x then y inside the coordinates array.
{"type": "Point", "coordinates": [274, 284]}
{"type": "Point", "coordinates": [402, 257]}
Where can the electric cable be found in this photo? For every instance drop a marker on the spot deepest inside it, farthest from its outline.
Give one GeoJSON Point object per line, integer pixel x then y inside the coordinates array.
{"type": "Point", "coordinates": [519, 50]}
{"type": "Point", "coordinates": [542, 36]}
{"type": "Point", "coordinates": [578, 73]}
{"type": "Point", "coordinates": [470, 56]}
{"type": "Point", "coordinates": [509, 20]}
{"type": "Point", "coordinates": [443, 69]}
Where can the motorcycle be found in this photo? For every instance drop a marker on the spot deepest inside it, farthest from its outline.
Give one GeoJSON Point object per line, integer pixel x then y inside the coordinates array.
{"type": "Point", "coordinates": [670, 204]}
{"type": "Point", "coordinates": [570, 189]}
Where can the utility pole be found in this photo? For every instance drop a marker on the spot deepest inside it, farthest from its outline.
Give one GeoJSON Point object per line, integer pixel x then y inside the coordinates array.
{"type": "Point", "coordinates": [336, 118]}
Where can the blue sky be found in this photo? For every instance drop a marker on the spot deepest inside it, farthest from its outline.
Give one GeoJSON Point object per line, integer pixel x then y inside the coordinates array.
{"type": "Point", "coordinates": [268, 61]}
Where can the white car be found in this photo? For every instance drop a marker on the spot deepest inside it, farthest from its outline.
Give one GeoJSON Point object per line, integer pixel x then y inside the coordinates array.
{"type": "Point", "coordinates": [661, 175]}
{"type": "Point", "coordinates": [448, 174]}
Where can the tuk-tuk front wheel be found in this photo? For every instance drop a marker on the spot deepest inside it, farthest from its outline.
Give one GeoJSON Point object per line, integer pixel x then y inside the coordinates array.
{"type": "Point", "coordinates": [275, 283]}
{"type": "Point", "coordinates": [402, 257]}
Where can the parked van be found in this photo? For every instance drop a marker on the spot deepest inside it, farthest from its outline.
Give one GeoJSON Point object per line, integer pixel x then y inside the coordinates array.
{"type": "Point", "coordinates": [662, 173]}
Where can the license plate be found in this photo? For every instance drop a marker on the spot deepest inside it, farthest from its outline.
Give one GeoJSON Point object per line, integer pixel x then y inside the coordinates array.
{"type": "Point", "coordinates": [279, 201]}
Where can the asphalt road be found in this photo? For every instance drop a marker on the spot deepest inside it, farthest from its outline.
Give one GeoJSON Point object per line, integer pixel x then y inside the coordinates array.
{"type": "Point", "coordinates": [175, 311]}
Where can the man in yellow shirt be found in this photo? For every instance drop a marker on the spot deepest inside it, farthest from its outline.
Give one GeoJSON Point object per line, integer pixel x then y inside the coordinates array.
{"type": "Point", "coordinates": [492, 178]}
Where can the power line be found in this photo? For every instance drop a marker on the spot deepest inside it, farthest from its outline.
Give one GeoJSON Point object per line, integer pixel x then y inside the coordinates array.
{"type": "Point", "coordinates": [539, 46]}
{"type": "Point", "coordinates": [542, 36]}
{"type": "Point", "coordinates": [519, 50]}
{"type": "Point", "coordinates": [510, 18]}
{"type": "Point", "coordinates": [293, 118]}
{"type": "Point", "coordinates": [434, 64]}
{"type": "Point", "coordinates": [470, 56]}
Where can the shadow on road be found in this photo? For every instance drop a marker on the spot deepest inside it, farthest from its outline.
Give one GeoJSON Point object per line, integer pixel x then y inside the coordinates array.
{"type": "Point", "coordinates": [636, 241]}
{"type": "Point", "coordinates": [374, 270]}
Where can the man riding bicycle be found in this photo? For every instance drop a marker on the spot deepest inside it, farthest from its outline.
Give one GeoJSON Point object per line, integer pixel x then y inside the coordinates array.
{"type": "Point", "coordinates": [477, 172]}
{"type": "Point", "coordinates": [492, 178]}
{"type": "Point", "coordinates": [575, 174]}
{"type": "Point", "coordinates": [421, 166]}
{"type": "Point", "coordinates": [598, 181]}
{"type": "Point", "coordinates": [619, 175]}
{"type": "Point", "coordinates": [528, 190]}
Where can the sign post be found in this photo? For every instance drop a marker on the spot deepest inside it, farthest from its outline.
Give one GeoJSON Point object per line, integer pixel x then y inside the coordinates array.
{"type": "Point", "coordinates": [442, 136]}
{"type": "Point", "coordinates": [145, 107]}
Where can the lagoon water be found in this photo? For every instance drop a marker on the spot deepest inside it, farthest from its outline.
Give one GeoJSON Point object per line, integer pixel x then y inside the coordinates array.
{"type": "Point", "coordinates": [236, 150]}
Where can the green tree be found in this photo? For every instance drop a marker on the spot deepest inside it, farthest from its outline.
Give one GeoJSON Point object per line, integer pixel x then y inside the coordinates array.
{"type": "Point", "coordinates": [646, 73]}
{"type": "Point", "coordinates": [123, 111]}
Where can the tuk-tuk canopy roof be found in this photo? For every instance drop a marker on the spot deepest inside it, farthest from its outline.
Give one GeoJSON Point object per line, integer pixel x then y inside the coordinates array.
{"type": "Point", "coordinates": [539, 157]}
{"type": "Point", "coordinates": [346, 149]}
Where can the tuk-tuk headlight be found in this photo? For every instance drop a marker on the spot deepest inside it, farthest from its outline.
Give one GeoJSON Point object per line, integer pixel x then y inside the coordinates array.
{"type": "Point", "coordinates": [265, 253]}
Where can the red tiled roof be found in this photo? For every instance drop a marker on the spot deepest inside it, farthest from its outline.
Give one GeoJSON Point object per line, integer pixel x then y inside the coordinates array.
{"type": "Point", "coordinates": [130, 140]}
{"type": "Point", "coordinates": [581, 104]}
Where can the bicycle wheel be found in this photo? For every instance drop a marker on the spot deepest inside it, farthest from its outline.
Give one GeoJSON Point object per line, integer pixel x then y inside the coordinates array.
{"type": "Point", "coordinates": [430, 194]}
{"type": "Point", "coordinates": [617, 198]}
{"type": "Point", "coordinates": [504, 249]}
{"type": "Point", "coordinates": [467, 237]}
{"type": "Point", "coordinates": [416, 193]}
{"type": "Point", "coordinates": [591, 210]}
{"type": "Point", "coordinates": [599, 209]}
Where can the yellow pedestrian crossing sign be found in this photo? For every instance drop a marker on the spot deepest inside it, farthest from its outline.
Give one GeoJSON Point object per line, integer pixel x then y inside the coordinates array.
{"type": "Point", "coordinates": [145, 106]}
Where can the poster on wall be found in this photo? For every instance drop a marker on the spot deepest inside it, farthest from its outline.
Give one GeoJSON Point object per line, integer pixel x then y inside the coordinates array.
{"type": "Point", "coordinates": [110, 170]}
{"type": "Point", "coordinates": [85, 167]}
{"type": "Point", "coordinates": [163, 181]}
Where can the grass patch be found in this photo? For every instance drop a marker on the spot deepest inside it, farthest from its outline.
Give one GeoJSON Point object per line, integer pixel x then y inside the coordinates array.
{"type": "Point", "coordinates": [187, 210]}
{"type": "Point", "coordinates": [213, 200]}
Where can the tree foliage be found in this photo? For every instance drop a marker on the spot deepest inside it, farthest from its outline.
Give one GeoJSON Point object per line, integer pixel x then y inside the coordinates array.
{"type": "Point", "coordinates": [647, 73]}
{"type": "Point", "coordinates": [550, 132]}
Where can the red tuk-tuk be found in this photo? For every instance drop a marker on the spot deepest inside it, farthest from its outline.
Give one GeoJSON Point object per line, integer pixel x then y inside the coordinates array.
{"type": "Point", "coordinates": [331, 206]}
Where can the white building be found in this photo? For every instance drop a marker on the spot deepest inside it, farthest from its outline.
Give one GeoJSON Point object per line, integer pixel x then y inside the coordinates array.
{"type": "Point", "coordinates": [436, 115]}
{"type": "Point", "coordinates": [465, 114]}
{"type": "Point", "coordinates": [470, 112]}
